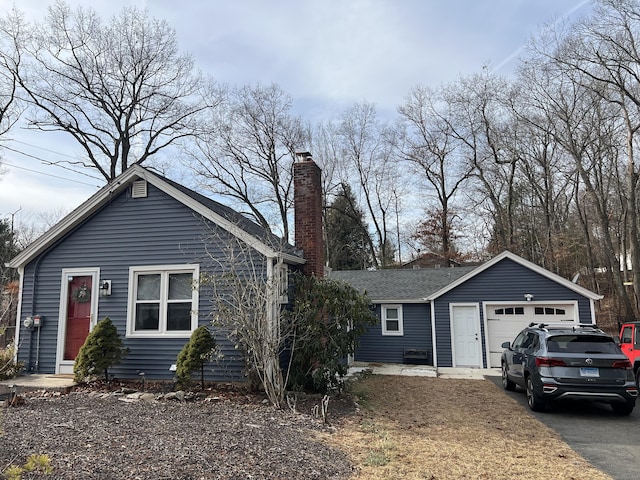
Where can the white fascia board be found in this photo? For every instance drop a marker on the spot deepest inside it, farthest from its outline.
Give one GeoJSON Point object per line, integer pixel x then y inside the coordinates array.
{"type": "Point", "coordinates": [96, 201]}
{"type": "Point", "coordinates": [231, 227]}
{"type": "Point", "coordinates": [292, 259]}
{"type": "Point", "coordinates": [525, 263]}
{"type": "Point", "coordinates": [84, 211]}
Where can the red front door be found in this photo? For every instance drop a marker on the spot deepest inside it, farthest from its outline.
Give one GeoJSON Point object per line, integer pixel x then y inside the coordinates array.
{"type": "Point", "coordinates": [78, 315]}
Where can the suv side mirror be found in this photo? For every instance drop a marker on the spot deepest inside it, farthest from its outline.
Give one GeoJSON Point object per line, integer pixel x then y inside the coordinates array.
{"type": "Point", "coordinates": [506, 345]}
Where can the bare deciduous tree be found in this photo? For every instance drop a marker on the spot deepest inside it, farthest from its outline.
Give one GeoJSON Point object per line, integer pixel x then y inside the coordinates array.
{"type": "Point", "coordinates": [121, 90]}
{"type": "Point", "coordinates": [371, 169]}
{"type": "Point", "coordinates": [248, 152]}
{"type": "Point", "coordinates": [244, 289]}
{"type": "Point", "coordinates": [596, 59]}
{"type": "Point", "coordinates": [433, 151]}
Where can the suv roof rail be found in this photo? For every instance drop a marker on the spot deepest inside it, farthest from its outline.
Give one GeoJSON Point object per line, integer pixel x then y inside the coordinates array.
{"type": "Point", "coordinates": [566, 326]}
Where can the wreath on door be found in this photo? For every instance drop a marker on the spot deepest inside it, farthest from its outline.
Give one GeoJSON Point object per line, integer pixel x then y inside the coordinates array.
{"type": "Point", "coordinates": [82, 294]}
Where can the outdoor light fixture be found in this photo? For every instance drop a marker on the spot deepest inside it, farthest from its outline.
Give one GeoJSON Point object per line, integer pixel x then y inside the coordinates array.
{"type": "Point", "coordinates": [528, 297]}
{"type": "Point", "coordinates": [105, 288]}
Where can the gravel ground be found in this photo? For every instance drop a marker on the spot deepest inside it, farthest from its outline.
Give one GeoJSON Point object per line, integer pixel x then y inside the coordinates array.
{"type": "Point", "coordinates": [93, 435]}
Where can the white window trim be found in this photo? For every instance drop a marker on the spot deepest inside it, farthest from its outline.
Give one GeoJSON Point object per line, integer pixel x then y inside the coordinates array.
{"type": "Point", "coordinates": [282, 282]}
{"type": "Point", "coordinates": [162, 332]}
{"type": "Point", "coordinates": [383, 316]}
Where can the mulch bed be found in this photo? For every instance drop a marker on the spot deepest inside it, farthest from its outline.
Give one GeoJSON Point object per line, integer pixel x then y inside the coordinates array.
{"type": "Point", "coordinates": [225, 433]}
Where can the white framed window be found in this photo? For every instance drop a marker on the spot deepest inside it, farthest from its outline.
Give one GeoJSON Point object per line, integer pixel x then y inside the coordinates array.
{"type": "Point", "coordinates": [163, 301]}
{"type": "Point", "coordinates": [392, 320]}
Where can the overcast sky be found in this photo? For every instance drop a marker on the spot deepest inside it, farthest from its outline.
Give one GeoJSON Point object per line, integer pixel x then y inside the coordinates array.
{"type": "Point", "coordinates": [327, 54]}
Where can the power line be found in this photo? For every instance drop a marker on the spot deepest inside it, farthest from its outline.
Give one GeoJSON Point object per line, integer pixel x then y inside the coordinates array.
{"type": "Point", "coordinates": [49, 174]}
{"type": "Point", "coordinates": [48, 162]}
{"type": "Point", "coordinates": [44, 149]}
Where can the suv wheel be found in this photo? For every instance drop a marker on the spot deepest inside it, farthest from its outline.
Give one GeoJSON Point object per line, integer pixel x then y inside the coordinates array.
{"type": "Point", "coordinates": [638, 377]}
{"type": "Point", "coordinates": [533, 400]}
{"type": "Point", "coordinates": [506, 383]}
{"type": "Point", "coordinates": [623, 408]}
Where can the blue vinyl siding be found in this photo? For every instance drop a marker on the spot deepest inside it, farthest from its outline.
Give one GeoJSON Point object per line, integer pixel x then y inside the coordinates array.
{"type": "Point", "coordinates": [156, 230]}
{"type": "Point", "coordinates": [374, 347]}
{"type": "Point", "coordinates": [506, 281]}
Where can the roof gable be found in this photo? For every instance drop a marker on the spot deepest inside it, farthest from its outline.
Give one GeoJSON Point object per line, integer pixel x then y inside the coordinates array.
{"type": "Point", "coordinates": [238, 225]}
{"type": "Point", "coordinates": [525, 263]}
{"type": "Point", "coordinates": [427, 284]}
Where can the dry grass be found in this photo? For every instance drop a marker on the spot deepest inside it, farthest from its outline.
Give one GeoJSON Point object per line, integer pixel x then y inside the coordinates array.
{"type": "Point", "coordinates": [433, 428]}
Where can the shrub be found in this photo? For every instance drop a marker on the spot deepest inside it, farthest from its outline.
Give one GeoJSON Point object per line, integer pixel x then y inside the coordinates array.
{"type": "Point", "coordinates": [9, 368]}
{"type": "Point", "coordinates": [329, 317]}
{"type": "Point", "coordinates": [193, 356]}
{"type": "Point", "coordinates": [101, 350]}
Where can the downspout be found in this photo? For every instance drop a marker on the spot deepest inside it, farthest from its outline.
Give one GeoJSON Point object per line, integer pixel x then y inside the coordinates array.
{"type": "Point", "coordinates": [34, 292]}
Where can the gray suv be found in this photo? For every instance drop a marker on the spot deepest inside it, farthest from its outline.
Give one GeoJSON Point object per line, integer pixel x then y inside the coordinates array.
{"type": "Point", "coordinates": [578, 362]}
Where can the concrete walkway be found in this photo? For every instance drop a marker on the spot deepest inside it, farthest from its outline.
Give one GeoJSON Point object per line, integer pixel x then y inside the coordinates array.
{"type": "Point", "coordinates": [423, 370]}
{"type": "Point", "coordinates": [29, 383]}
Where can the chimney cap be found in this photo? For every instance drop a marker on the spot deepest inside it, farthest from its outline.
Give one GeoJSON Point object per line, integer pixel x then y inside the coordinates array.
{"type": "Point", "coordinates": [303, 155]}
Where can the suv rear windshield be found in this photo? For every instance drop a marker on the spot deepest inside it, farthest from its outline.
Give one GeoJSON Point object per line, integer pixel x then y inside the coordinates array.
{"type": "Point", "coordinates": [581, 344]}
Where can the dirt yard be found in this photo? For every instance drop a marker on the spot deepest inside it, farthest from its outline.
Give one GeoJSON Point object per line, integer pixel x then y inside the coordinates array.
{"type": "Point", "coordinates": [398, 428]}
{"type": "Point", "coordinates": [435, 429]}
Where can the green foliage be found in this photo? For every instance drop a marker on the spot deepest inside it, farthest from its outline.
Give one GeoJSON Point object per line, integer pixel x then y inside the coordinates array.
{"type": "Point", "coordinates": [34, 464]}
{"type": "Point", "coordinates": [329, 317]}
{"type": "Point", "coordinates": [101, 350]}
{"type": "Point", "coordinates": [347, 237]}
{"type": "Point", "coordinates": [8, 367]}
{"type": "Point", "coordinates": [194, 355]}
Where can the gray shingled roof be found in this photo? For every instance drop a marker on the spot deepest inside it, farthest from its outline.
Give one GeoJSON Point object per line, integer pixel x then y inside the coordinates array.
{"type": "Point", "coordinates": [401, 284]}
{"type": "Point", "coordinates": [238, 219]}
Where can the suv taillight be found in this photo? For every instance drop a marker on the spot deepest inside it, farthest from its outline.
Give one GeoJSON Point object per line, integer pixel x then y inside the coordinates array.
{"type": "Point", "coordinates": [549, 362]}
{"type": "Point", "coordinates": [624, 364]}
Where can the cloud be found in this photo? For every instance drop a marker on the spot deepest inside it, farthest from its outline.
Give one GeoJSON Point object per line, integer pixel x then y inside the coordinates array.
{"type": "Point", "coordinates": [327, 54]}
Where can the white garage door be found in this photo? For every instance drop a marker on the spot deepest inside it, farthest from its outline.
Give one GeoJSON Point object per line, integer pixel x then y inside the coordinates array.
{"type": "Point", "coordinates": [505, 321]}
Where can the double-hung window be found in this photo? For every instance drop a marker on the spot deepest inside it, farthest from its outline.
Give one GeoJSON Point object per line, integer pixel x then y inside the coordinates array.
{"type": "Point", "coordinates": [163, 301]}
{"type": "Point", "coordinates": [392, 320]}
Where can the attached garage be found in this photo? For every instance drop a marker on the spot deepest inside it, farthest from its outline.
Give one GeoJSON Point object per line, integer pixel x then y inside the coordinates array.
{"type": "Point", "coordinates": [509, 293]}
{"type": "Point", "coordinates": [460, 316]}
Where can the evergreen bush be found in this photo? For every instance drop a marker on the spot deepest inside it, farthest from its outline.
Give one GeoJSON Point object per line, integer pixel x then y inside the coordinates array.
{"type": "Point", "coordinates": [101, 350]}
{"type": "Point", "coordinates": [194, 355]}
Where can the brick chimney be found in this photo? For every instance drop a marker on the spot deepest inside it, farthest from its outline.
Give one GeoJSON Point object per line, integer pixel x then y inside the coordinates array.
{"type": "Point", "coordinates": [307, 203]}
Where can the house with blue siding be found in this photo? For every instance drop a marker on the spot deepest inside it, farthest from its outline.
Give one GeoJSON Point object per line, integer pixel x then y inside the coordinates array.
{"type": "Point", "coordinates": [135, 252]}
{"type": "Point", "coordinates": [460, 316]}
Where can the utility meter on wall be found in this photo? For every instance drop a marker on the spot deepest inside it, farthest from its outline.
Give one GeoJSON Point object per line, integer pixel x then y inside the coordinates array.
{"type": "Point", "coordinates": [35, 321]}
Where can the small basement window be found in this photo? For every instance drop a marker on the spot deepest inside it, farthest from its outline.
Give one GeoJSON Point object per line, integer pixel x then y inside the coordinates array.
{"type": "Point", "coordinates": [392, 321]}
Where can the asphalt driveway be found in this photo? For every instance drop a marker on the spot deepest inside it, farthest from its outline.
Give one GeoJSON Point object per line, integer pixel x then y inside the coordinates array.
{"type": "Point", "coordinates": [608, 441]}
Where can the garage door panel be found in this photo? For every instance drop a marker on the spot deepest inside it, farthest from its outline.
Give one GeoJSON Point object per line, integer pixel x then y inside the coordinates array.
{"type": "Point", "coordinates": [505, 321]}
